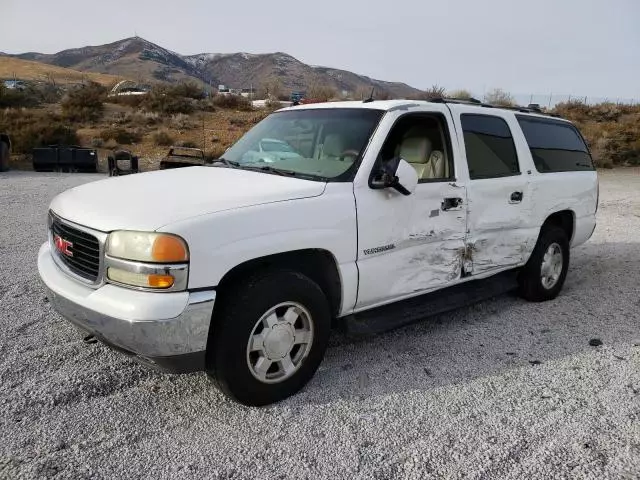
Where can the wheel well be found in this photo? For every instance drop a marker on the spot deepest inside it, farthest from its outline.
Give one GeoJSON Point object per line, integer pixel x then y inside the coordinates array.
{"type": "Point", "coordinates": [564, 219]}
{"type": "Point", "coordinates": [319, 265]}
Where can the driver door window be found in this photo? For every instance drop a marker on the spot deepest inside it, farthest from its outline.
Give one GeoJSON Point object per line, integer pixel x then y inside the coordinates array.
{"type": "Point", "coordinates": [423, 141]}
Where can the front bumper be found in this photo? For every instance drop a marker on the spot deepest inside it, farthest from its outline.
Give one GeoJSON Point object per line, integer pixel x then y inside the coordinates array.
{"type": "Point", "coordinates": [167, 331]}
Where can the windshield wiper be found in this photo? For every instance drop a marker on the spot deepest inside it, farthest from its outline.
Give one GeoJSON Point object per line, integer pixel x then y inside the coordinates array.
{"type": "Point", "coordinates": [270, 169]}
{"type": "Point", "coordinates": [225, 162]}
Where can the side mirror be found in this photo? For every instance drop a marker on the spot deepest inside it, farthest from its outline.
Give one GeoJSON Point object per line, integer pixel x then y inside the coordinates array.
{"type": "Point", "coordinates": [397, 174]}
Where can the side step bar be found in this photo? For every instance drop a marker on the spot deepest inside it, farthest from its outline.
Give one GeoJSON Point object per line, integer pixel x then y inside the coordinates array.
{"type": "Point", "coordinates": [405, 312]}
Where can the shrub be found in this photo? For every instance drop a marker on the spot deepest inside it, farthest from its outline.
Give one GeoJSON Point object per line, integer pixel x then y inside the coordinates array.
{"type": "Point", "coordinates": [188, 144]}
{"type": "Point", "coordinates": [122, 136]}
{"type": "Point", "coordinates": [205, 105]}
{"type": "Point", "coordinates": [133, 101]}
{"type": "Point", "coordinates": [321, 92]}
{"type": "Point", "coordinates": [237, 122]}
{"type": "Point", "coordinates": [497, 96]}
{"type": "Point", "coordinates": [165, 99]}
{"type": "Point", "coordinates": [162, 138]}
{"type": "Point", "coordinates": [13, 98]}
{"type": "Point", "coordinates": [460, 94]}
{"type": "Point", "coordinates": [181, 122]}
{"type": "Point", "coordinates": [186, 90]}
{"type": "Point", "coordinates": [85, 103]}
{"type": "Point", "coordinates": [236, 102]}
{"type": "Point", "coordinates": [270, 104]}
{"type": "Point", "coordinates": [97, 142]}
{"type": "Point", "coordinates": [30, 129]}
{"type": "Point", "coordinates": [612, 131]}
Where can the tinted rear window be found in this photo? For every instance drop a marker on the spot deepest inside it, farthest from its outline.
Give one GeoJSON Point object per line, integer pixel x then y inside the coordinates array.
{"type": "Point", "coordinates": [489, 145]}
{"type": "Point", "coordinates": [555, 146]}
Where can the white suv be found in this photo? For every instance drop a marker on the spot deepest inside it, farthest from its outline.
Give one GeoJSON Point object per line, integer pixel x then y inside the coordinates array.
{"type": "Point", "coordinates": [239, 268]}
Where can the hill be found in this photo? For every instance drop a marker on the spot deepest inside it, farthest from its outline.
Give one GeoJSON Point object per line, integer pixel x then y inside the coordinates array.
{"type": "Point", "coordinates": [36, 71]}
{"type": "Point", "coordinates": [144, 61]}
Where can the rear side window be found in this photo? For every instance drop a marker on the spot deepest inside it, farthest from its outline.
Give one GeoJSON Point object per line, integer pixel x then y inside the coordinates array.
{"type": "Point", "coordinates": [489, 145]}
{"type": "Point", "coordinates": [555, 146]}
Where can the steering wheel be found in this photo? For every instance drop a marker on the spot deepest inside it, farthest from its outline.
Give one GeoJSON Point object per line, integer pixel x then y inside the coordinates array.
{"type": "Point", "coordinates": [349, 153]}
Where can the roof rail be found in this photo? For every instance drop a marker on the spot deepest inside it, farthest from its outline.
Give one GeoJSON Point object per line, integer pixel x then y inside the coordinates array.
{"type": "Point", "coordinates": [531, 108]}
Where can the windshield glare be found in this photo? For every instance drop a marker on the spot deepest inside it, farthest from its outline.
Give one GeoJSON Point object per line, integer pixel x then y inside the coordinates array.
{"type": "Point", "coordinates": [315, 143]}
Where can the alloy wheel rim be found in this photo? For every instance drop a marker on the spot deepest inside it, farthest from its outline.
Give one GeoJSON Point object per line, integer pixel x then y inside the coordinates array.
{"type": "Point", "coordinates": [551, 267]}
{"type": "Point", "coordinates": [279, 342]}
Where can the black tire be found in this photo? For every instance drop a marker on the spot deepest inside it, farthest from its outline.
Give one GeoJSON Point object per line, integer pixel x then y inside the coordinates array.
{"type": "Point", "coordinates": [4, 157]}
{"type": "Point", "coordinates": [530, 279]}
{"type": "Point", "coordinates": [234, 323]}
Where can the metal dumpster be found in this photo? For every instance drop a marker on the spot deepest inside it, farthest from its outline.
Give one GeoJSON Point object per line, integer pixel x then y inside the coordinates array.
{"type": "Point", "coordinates": [65, 158]}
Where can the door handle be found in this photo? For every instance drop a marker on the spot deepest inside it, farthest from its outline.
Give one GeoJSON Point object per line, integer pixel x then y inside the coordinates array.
{"type": "Point", "coordinates": [516, 197]}
{"type": "Point", "coordinates": [450, 203]}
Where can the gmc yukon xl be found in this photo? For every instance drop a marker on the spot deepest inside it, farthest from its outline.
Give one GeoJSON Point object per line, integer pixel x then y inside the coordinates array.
{"type": "Point", "coordinates": [361, 213]}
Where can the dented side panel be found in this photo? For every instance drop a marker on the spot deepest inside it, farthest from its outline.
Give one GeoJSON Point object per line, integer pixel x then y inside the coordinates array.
{"type": "Point", "coordinates": [500, 231]}
{"type": "Point", "coordinates": [409, 244]}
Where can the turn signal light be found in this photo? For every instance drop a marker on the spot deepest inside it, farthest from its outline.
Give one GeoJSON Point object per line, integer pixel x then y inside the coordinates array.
{"type": "Point", "coordinates": [169, 249]}
{"type": "Point", "coordinates": [140, 279]}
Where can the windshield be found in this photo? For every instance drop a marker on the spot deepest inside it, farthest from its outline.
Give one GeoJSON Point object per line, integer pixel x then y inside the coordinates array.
{"type": "Point", "coordinates": [322, 144]}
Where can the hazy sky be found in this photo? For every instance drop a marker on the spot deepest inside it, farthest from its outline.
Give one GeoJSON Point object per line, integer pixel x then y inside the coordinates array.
{"type": "Point", "coordinates": [578, 47]}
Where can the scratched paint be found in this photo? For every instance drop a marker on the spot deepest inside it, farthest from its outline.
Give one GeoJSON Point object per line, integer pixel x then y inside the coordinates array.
{"type": "Point", "coordinates": [426, 244]}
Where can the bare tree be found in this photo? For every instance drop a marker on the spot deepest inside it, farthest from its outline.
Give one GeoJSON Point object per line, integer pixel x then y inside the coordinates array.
{"type": "Point", "coordinates": [271, 88]}
{"type": "Point", "coordinates": [321, 92]}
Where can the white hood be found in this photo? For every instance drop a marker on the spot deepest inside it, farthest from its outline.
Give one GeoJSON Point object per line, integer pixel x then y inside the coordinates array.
{"type": "Point", "coordinates": [148, 201]}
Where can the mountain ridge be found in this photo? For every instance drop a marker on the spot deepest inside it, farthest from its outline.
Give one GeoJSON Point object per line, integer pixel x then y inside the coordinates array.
{"type": "Point", "coordinates": [140, 59]}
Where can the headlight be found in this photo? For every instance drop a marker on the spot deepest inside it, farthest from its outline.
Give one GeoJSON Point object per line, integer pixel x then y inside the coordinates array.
{"type": "Point", "coordinates": [147, 247]}
{"type": "Point", "coordinates": [148, 261]}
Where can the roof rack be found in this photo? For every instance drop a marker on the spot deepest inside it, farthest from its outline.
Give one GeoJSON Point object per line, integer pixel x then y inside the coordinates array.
{"type": "Point", "coordinates": [531, 108]}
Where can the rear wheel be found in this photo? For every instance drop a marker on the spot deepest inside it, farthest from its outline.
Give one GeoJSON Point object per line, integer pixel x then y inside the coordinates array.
{"type": "Point", "coordinates": [544, 274]}
{"type": "Point", "coordinates": [4, 157]}
{"type": "Point", "coordinates": [269, 337]}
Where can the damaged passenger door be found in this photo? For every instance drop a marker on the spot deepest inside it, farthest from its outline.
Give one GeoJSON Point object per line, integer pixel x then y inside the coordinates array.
{"type": "Point", "coordinates": [499, 199]}
{"type": "Point", "coordinates": [411, 244]}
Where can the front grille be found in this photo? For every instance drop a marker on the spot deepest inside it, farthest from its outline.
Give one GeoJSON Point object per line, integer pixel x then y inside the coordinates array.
{"type": "Point", "coordinates": [84, 249]}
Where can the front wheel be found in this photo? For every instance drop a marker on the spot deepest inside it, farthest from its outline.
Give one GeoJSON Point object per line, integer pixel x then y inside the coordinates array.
{"type": "Point", "coordinates": [269, 337]}
{"type": "Point", "coordinates": [544, 274]}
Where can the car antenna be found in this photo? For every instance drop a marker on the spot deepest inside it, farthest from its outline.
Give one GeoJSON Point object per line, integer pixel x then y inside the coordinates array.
{"type": "Point", "coordinates": [370, 99]}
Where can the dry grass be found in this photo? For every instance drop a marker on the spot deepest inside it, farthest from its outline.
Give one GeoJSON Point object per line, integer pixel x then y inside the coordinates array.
{"type": "Point", "coordinates": [221, 129]}
{"type": "Point", "coordinates": [36, 71]}
{"type": "Point", "coordinates": [612, 131]}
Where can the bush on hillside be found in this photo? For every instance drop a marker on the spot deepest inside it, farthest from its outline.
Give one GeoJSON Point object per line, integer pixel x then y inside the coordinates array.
{"type": "Point", "coordinates": [122, 136]}
{"type": "Point", "coordinates": [236, 102]}
{"type": "Point", "coordinates": [133, 101]}
{"type": "Point", "coordinates": [30, 129]}
{"type": "Point", "coordinates": [162, 138]}
{"type": "Point", "coordinates": [186, 90]}
{"type": "Point", "coordinates": [84, 103]}
{"type": "Point", "coordinates": [13, 98]}
{"type": "Point", "coordinates": [611, 131]}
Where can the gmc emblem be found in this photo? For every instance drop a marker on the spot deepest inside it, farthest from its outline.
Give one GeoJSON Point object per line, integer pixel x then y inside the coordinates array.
{"type": "Point", "coordinates": [63, 246]}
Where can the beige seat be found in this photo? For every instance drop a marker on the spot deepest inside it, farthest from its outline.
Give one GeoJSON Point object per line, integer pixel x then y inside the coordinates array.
{"type": "Point", "coordinates": [436, 165]}
{"type": "Point", "coordinates": [428, 163]}
{"type": "Point", "coordinates": [333, 146]}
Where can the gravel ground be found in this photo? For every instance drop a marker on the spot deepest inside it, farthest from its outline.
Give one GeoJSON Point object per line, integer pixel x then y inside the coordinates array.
{"type": "Point", "coordinates": [502, 389]}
